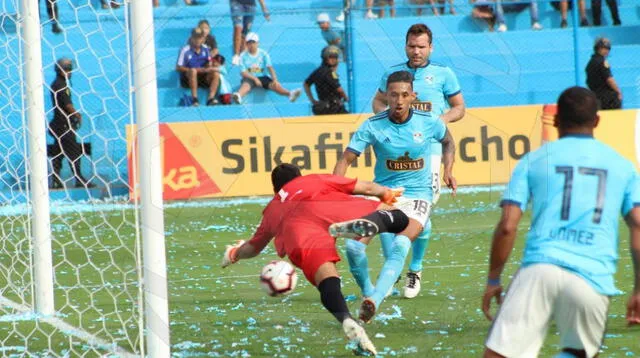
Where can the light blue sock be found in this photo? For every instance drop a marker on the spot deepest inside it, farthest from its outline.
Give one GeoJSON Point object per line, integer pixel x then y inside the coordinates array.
{"type": "Point", "coordinates": [392, 268]}
{"type": "Point", "coordinates": [419, 247]}
{"type": "Point", "coordinates": [386, 241]}
{"type": "Point", "coordinates": [359, 266]}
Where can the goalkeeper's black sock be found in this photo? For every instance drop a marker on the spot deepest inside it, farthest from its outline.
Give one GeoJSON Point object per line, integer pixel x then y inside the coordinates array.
{"type": "Point", "coordinates": [332, 298]}
{"type": "Point", "coordinates": [393, 221]}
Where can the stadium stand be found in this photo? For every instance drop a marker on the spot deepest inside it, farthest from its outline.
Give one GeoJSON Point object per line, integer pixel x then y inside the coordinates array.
{"type": "Point", "coordinates": [495, 69]}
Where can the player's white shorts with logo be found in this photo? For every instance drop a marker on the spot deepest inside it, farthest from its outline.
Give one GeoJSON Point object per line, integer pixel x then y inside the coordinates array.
{"type": "Point", "coordinates": [539, 293]}
{"type": "Point", "coordinates": [436, 160]}
{"type": "Point", "coordinates": [417, 209]}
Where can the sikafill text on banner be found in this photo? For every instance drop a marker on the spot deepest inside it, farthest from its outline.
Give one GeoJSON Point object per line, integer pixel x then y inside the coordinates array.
{"type": "Point", "coordinates": [235, 157]}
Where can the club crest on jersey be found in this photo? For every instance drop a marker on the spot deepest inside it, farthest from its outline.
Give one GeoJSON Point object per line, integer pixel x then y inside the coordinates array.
{"type": "Point", "coordinates": [418, 138]}
{"type": "Point", "coordinates": [405, 163]}
{"type": "Point", "coordinates": [429, 79]}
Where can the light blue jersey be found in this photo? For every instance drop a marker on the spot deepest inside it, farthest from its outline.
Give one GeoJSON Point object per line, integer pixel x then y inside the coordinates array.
{"type": "Point", "coordinates": [256, 64]}
{"type": "Point", "coordinates": [403, 151]}
{"type": "Point", "coordinates": [433, 84]}
{"type": "Point", "coordinates": [578, 187]}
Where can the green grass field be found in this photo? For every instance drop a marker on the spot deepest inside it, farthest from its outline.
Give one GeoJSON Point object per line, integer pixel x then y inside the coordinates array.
{"type": "Point", "coordinates": [216, 312]}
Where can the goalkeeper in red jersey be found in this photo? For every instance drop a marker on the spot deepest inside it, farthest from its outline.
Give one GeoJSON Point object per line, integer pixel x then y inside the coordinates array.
{"type": "Point", "coordinates": [299, 216]}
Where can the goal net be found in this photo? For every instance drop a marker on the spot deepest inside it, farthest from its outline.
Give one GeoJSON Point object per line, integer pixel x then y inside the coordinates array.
{"type": "Point", "coordinates": [96, 245]}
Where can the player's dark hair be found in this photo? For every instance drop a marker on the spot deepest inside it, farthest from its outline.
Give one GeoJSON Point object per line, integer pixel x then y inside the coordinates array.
{"type": "Point", "coordinates": [282, 174]}
{"type": "Point", "coordinates": [577, 107]}
{"type": "Point", "coordinates": [400, 76]}
{"type": "Point", "coordinates": [203, 21]}
{"type": "Point", "coordinates": [417, 30]}
{"type": "Point", "coordinates": [197, 33]}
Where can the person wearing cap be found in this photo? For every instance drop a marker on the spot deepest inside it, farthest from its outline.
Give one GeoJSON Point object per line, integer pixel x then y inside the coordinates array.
{"type": "Point", "coordinates": [242, 14]}
{"type": "Point", "coordinates": [257, 71]}
{"type": "Point", "coordinates": [194, 66]}
{"type": "Point", "coordinates": [66, 121]}
{"type": "Point", "coordinates": [599, 77]}
{"type": "Point", "coordinates": [331, 35]}
{"type": "Point", "coordinates": [331, 95]}
{"type": "Point", "coordinates": [596, 11]}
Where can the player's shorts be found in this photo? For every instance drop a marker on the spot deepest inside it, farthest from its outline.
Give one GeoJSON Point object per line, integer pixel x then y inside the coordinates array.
{"type": "Point", "coordinates": [242, 15]}
{"type": "Point", "coordinates": [309, 259]}
{"type": "Point", "coordinates": [436, 160]}
{"type": "Point", "coordinates": [537, 294]}
{"type": "Point", "coordinates": [417, 209]}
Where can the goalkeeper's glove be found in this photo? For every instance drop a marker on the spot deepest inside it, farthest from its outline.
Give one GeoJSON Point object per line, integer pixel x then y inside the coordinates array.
{"type": "Point", "coordinates": [230, 254]}
{"type": "Point", "coordinates": [390, 195]}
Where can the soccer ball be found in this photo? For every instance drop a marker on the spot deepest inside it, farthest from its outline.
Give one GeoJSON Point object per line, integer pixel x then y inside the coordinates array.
{"type": "Point", "coordinates": [278, 278]}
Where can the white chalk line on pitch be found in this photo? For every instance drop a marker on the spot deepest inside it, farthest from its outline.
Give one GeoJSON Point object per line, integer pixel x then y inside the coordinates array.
{"type": "Point", "coordinates": [70, 330]}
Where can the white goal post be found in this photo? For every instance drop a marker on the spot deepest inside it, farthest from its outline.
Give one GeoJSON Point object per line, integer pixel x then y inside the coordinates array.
{"type": "Point", "coordinates": [90, 278]}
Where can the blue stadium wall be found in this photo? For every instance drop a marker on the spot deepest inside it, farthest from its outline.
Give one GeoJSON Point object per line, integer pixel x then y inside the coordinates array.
{"type": "Point", "coordinates": [495, 69]}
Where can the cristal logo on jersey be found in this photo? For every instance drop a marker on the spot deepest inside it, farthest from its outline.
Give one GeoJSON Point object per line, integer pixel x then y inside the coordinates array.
{"type": "Point", "coordinates": [405, 163]}
{"type": "Point", "coordinates": [421, 106]}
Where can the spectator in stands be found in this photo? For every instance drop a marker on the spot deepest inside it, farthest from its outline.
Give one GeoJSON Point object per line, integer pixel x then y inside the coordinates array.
{"type": "Point", "coordinates": [257, 71]}
{"type": "Point", "coordinates": [331, 96]}
{"type": "Point", "coordinates": [209, 39]}
{"type": "Point", "coordinates": [438, 7]}
{"type": "Point", "coordinates": [517, 7]}
{"type": "Point", "coordinates": [224, 90]}
{"type": "Point", "coordinates": [66, 121]}
{"type": "Point", "coordinates": [331, 35]}
{"type": "Point", "coordinates": [483, 9]}
{"type": "Point", "coordinates": [418, 6]}
{"type": "Point", "coordinates": [242, 15]}
{"type": "Point", "coordinates": [52, 12]}
{"type": "Point", "coordinates": [369, 15]}
{"type": "Point", "coordinates": [596, 11]}
{"type": "Point", "coordinates": [195, 68]}
{"type": "Point", "coordinates": [384, 3]}
{"type": "Point", "coordinates": [563, 6]}
{"type": "Point", "coordinates": [599, 77]}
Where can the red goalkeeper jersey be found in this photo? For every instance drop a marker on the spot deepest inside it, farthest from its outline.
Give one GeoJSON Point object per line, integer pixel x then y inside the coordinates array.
{"type": "Point", "coordinates": [299, 215]}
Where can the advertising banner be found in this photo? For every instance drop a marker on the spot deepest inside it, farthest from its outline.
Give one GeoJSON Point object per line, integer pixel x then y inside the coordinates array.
{"type": "Point", "coordinates": [235, 157]}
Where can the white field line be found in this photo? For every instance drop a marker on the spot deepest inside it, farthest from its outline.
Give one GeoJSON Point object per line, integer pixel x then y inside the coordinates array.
{"type": "Point", "coordinates": [70, 330]}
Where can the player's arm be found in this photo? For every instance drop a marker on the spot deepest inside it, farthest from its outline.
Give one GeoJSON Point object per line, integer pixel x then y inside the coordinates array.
{"type": "Point", "coordinates": [451, 89]}
{"type": "Point", "coordinates": [457, 110]}
{"type": "Point", "coordinates": [379, 102]}
{"type": "Point", "coordinates": [248, 249]}
{"type": "Point", "coordinates": [386, 195]}
{"type": "Point", "coordinates": [448, 157]}
{"type": "Point", "coordinates": [344, 163]}
{"type": "Point", "coordinates": [614, 86]}
{"type": "Point", "coordinates": [633, 306]}
{"type": "Point", "coordinates": [503, 240]}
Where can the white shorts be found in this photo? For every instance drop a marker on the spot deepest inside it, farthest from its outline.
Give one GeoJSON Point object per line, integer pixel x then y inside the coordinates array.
{"type": "Point", "coordinates": [435, 176]}
{"type": "Point", "coordinates": [417, 209]}
{"type": "Point", "coordinates": [539, 293]}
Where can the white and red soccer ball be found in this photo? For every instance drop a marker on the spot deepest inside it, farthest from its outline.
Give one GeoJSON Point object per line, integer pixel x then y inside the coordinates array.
{"type": "Point", "coordinates": [278, 278]}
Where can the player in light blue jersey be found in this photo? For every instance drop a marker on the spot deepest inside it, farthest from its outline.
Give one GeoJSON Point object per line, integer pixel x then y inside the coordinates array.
{"type": "Point", "coordinates": [578, 187]}
{"type": "Point", "coordinates": [438, 93]}
{"type": "Point", "coordinates": [401, 139]}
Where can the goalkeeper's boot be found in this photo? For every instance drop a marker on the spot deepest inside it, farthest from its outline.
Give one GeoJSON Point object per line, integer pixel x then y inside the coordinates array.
{"type": "Point", "coordinates": [367, 310]}
{"type": "Point", "coordinates": [355, 332]}
{"type": "Point", "coordinates": [354, 228]}
{"type": "Point", "coordinates": [412, 284]}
